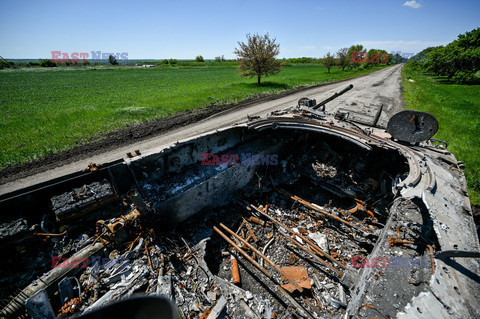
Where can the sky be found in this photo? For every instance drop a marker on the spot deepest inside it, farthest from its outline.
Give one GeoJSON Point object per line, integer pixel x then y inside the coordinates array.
{"type": "Point", "coordinates": [184, 29]}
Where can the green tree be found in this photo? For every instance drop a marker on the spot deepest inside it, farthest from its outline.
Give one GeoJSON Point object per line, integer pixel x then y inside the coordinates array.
{"type": "Point", "coordinates": [376, 56]}
{"type": "Point", "coordinates": [458, 60]}
{"type": "Point", "coordinates": [328, 61]}
{"type": "Point", "coordinates": [199, 58]}
{"type": "Point", "coordinates": [257, 57]}
{"type": "Point", "coordinates": [343, 58]}
{"type": "Point", "coordinates": [420, 59]}
{"type": "Point", "coordinates": [385, 57]}
{"type": "Point", "coordinates": [357, 55]}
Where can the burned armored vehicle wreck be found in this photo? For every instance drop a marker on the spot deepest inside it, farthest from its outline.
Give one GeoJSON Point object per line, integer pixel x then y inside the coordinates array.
{"type": "Point", "coordinates": [299, 214]}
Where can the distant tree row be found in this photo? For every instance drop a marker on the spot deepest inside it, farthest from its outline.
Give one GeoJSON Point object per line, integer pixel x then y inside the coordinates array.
{"type": "Point", "coordinates": [44, 63]}
{"type": "Point", "coordinates": [48, 63]}
{"type": "Point", "coordinates": [301, 60]}
{"type": "Point", "coordinates": [353, 57]}
{"type": "Point", "coordinates": [459, 60]}
{"type": "Point", "coordinates": [258, 57]}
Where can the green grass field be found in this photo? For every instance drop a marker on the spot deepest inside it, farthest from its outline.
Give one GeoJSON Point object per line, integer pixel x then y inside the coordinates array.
{"type": "Point", "coordinates": [457, 108]}
{"type": "Point", "coordinates": [47, 110]}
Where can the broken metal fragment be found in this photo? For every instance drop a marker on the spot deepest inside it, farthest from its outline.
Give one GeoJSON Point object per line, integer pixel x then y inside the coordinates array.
{"type": "Point", "coordinates": [299, 275]}
{"type": "Point", "coordinates": [219, 310]}
{"type": "Point", "coordinates": [125, 288]}
{"type": "Point", "coordinates": [248, 311]}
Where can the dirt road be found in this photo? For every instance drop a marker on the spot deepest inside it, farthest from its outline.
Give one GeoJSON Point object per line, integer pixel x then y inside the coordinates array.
{"type": "Point", "coordinates": [379, 88]}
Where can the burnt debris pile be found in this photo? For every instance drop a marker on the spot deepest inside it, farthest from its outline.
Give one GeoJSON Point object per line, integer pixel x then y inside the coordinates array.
{"type": "Point", "coordinates": [279, 246]}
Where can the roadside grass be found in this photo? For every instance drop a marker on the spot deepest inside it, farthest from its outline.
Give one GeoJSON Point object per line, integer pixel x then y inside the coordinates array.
{"type": "Point", "coordinates": [49, 110]}
{"type": "Point", "coordinates": [457, 108]}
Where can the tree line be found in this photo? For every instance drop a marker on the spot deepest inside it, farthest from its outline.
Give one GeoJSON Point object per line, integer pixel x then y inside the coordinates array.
{"type": "Point", "coordinates": [353, 57]}
{"type": "Point", "coordinates": [257, 57]}
{"type": "Point", "coordinates": [458, 61]}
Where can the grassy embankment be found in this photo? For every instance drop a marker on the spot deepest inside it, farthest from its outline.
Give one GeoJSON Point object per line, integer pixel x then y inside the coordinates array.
{"type": "Point", "coordinates": [457, 108]}
{"type": "Point", "coordinates": [49, 110]}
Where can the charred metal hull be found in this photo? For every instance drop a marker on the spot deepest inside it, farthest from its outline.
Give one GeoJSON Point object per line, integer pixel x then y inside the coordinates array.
{"type": "Point", "coordinates": [421, 189]}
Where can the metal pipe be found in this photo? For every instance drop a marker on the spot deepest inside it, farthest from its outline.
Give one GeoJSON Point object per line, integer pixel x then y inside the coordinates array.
{"type": "Point", "coordinates": [235, 270]}
{"type": "Point", "coordinates": [256, 221]}
{"type": "Point", "coordinates": [296, 243]}
{"type": "Point", "coordinates": [241, 251]}
{"type": "Point", "coordinates": [313, 246]}
{"type": "Point", "coordinates": [252, 233]}
{"type": "Point", "coordinates": [348, 88]}
{"type": "Point", "coordinates": [317, 209]}
{"type": "Point", "coordinates": [292, 281]}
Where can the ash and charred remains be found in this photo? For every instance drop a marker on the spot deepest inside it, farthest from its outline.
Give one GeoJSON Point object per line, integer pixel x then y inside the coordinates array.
{"type": "Point", "coordinates": [300, 215]}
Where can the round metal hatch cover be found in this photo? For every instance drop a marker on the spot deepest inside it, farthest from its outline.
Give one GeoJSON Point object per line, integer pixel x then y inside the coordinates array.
{"type": "Point", "coordinates": [412, 126]}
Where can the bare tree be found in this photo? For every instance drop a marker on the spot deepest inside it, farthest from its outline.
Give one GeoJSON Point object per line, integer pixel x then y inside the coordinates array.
{"type": "Point", "coordinates": [257, 57]}
{"type": "Point", "coordinates": [328, 61]}
{"type": "Point", "coordinates": [343, 58]}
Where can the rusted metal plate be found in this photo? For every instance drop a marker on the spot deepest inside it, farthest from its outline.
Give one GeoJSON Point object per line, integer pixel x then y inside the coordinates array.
{"type": "Point", "coordinates": [412, 126]}
{"type": "Point", "coordinates": [299, 275]}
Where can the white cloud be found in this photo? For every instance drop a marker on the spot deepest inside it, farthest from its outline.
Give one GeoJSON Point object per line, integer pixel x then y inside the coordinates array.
{"type": "Point", "coordinates": [412, 4]}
